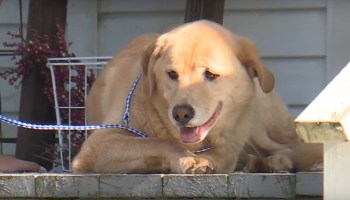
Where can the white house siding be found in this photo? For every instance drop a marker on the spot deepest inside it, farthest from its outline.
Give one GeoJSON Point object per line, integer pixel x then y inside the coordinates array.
{"type": "Point", "coordinates": [9, 21]}
{"type": "Point", "coordinates": [129, 23]}
{"type": "Point", "coordinates": [291, 36]}
{"type": "Point", "coordinates": [304, 42]}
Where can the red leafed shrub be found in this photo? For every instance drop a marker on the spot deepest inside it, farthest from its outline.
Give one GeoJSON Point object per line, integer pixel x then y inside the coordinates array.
{"type": "Point", "coordinates": [34, 54]}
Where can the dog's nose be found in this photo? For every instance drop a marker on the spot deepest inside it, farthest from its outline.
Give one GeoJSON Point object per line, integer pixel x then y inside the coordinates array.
{"type": "Point", "coordinates": [183, 113]}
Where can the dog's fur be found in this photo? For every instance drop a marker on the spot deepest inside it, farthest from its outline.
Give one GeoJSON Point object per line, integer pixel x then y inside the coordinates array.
{"type": "Point", "coordinates": [221, 77]}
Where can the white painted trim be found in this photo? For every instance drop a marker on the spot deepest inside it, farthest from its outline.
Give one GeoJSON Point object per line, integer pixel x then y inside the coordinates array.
{"type": "Point", "coordinates": [336, 175]}
{"type": "Point", "coordinates": [274, 4]}
{"type": "Point", "coordinates": [126, 6]}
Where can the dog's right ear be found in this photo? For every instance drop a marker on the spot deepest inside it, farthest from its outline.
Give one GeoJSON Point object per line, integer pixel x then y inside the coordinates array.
{"type": "Point", "coordinates": [149, 56]}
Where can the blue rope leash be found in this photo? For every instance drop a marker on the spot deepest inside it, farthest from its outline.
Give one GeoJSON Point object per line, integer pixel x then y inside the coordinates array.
{"type": "Point", "coordinates": [69, 127]}
{"type": "Point", "coordinates": [62, 127]}
{"type": "Point", "coordinates": [80, 128]}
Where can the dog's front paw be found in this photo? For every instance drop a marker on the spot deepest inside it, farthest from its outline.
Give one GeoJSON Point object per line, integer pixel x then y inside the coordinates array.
{"type": "Point", "coordinates": [317, 167]}
{"type": "Point", "coordinates": [195, 165]}
{"type": "Point", "coordinates": [278, 163]}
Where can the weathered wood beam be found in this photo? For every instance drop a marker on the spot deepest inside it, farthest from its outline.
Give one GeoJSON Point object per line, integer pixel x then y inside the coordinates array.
{"type": "Point", "coordinates": [205, 9]}
{"type": "Point", "coordinates": [34, 104]}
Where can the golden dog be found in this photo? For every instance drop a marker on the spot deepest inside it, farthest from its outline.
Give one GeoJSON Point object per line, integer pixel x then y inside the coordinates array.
{"type": "Point", "coordinates": [200, 86]}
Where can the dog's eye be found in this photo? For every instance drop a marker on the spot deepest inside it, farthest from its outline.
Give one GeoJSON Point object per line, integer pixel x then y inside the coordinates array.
{"type": "Point", "coordinates": [210, 76]}
{"type": "Point", "coordinates": [173, 75]}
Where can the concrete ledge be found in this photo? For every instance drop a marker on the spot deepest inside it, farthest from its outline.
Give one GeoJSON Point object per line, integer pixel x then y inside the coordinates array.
{"type": "Point", "coordinates": [66, 185]}
{"type": "Point", "coordinates": [219, 186]}
{"type": "Point", "coordinates": [17, 185]}
{"type": "Point", "coordinates": [310, 184]}
{"type": "Point", "coordinates": [262, 185]}
{"type": "Point", "coordinates": [132, 185]}
{"type": "Point", "coordinates": [207, 186]}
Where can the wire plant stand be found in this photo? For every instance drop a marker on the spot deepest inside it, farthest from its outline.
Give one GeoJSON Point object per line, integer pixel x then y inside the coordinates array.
{"type": "Point", "coordinates": [71, 80]}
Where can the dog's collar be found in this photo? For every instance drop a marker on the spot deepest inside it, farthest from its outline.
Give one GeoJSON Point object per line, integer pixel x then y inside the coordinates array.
{"type": "Point", "coordinates": [202, 150]}
{"type": "Point", "coordinates": [126, 116]}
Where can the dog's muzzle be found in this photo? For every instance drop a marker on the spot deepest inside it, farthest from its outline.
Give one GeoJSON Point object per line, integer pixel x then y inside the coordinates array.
{"type": "Point", "coordinates": [192, 134]}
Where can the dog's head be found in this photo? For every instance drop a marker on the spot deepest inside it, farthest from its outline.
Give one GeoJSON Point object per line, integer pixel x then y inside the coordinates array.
{"type": "Point", "coordinates": [205, 73]}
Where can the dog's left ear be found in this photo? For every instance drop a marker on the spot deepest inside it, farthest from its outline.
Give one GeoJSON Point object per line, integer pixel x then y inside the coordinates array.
{"type": "Point", "coordinates": [148, 83]}
{"type": "Point", "coordinates": [149, 57]}
{"type": "Point", "coordinates": [248, 55]}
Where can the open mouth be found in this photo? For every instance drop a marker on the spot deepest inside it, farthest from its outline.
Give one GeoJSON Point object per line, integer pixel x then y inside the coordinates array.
{"type": "Point", "coordinates": [195, 134]}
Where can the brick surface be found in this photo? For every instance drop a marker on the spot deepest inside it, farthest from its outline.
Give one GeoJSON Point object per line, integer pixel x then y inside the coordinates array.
{"type": "Point", "coordinates": [261, 185]}
{"type": "Point", "coordinates": [67, 185]}
{"type": "Point", "coordinates": [131, 185]}
{"type": "Point", "coordinates": [17, 185]}
{"type": "Point", "coordinates": [309, 183]}
{"type": "Point", "coordinates": [214, 185]}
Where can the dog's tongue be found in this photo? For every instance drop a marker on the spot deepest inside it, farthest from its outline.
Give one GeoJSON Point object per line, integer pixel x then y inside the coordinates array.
{"type": "Point", "coordinates": [190, 134]}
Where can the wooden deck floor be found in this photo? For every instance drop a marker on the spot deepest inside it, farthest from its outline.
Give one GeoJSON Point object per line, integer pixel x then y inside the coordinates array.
{"type": "Point", "coordinates": [162, 186]}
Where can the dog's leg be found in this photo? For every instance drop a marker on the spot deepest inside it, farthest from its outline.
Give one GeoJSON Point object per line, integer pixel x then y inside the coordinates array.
{"type": "Point", "coordinates": [302, 157]}
{"type": "Point", "coordinates": [225, 160]}
{"type": "Point", "coordinates": [278, 162]}
{"type": "Point", "coordinates": [115, 153]}
{"type": "Point", "coordinates": [308, 157]}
